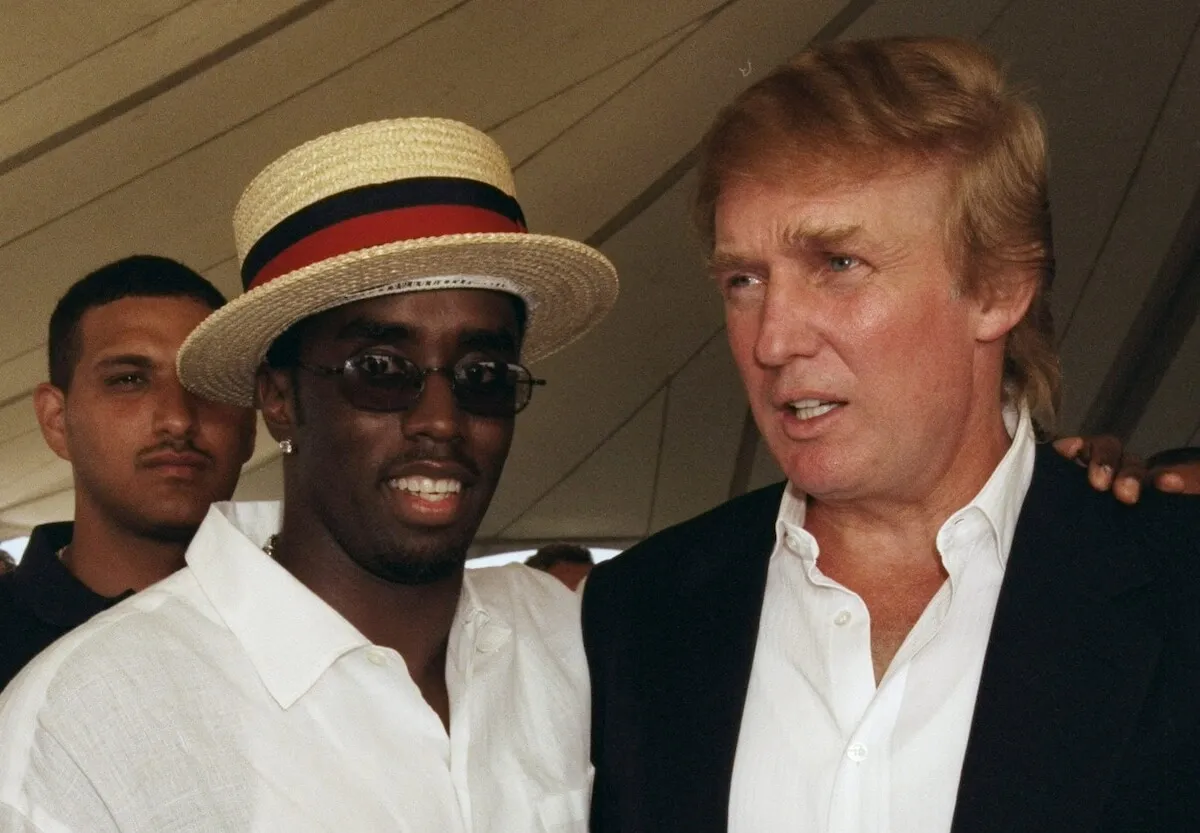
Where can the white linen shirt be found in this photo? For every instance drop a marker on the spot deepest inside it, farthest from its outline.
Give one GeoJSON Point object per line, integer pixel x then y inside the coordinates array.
{"type": "Point", "coordinates": [821, 749]}
{"type": "Point", "coordinates": [230, 697]}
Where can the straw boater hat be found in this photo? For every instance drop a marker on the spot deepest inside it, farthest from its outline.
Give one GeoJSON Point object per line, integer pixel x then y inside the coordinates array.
{"type": "Point", "coordinates": [406, 205]}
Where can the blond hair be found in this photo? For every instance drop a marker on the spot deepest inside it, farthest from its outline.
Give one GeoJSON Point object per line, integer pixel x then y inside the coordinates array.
{"type": "Point", "coordinates": [858, 106]}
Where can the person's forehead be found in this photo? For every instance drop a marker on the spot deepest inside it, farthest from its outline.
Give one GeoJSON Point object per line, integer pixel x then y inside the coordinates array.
{"type": "Point", "coordinates": [801, 205]}
{"type": "Point", "coordinates": [441, 310]}
{"type": "Point", "coordinates": [162, 322]}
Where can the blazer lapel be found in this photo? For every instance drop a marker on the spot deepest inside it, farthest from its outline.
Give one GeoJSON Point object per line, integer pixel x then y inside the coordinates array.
{"type": "Point", "coordinates": [704, 661]}
{"type": "Point", "coordinates": [1072, 650]}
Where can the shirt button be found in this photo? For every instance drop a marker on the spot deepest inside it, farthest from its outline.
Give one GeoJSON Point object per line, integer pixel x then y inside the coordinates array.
{"type": "Point", "coordinates": [856, 752]}
{"type": "Point", "coordinates": [375, 656]}
{"type": "Point", "coordinates": [491, 640]}
{"type": "Point", "coordinates": [842, 618]}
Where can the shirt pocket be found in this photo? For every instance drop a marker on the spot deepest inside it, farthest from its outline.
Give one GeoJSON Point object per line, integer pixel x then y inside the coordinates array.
{"type": "Point", "coordinates": [567, 812]}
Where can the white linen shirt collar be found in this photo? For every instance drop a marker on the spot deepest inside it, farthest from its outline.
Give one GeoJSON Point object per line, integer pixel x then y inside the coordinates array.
{"type": "Point", "coordinates": [826, 746]}
{"type": "Point", "coordinates": [291, 635]}
{"type": "Point", "coordinates": [998, 502]}
{"type": "Point", "coordinates": [231, 697]}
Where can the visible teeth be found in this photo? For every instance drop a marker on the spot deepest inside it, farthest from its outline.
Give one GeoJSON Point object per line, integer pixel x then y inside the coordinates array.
{"type": "Point", "coordinates": [426, 487]}
{"type": "Point", "coordinates": [811, 408]}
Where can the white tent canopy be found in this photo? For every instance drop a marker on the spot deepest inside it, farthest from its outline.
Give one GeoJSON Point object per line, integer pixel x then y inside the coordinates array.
{"type": "Point", "coordinates": [132, 126]}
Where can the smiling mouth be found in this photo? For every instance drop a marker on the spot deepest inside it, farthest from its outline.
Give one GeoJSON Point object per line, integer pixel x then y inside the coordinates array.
{"type": "Point", "coordinates": [806, 409]}
{"type": "Point", "coordinates": [427, 488]}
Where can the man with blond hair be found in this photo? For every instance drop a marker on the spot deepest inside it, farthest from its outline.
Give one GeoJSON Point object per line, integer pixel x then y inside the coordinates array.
{"type": "Point", "coordinates": [935, 624]}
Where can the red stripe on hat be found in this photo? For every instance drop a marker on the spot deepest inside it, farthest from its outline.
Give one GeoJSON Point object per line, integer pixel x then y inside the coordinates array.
{"type": "Point", "coordinates": [391, 226]}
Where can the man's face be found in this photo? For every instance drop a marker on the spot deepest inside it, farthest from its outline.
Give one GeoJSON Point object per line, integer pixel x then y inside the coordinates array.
{"type": "Point", "coordinates": [147, 453]}
{"type": "Point", "coordinates": [860, 357]}
{"type": "Point", "coordinates": [402, 493]}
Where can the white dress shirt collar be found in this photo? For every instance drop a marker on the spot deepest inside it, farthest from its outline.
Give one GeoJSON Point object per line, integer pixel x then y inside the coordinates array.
{"type": "Point", "coordinates": [826, 745]}
{"type": "Point", "coordinates": [998, 502]}
{"type": "Point", "coordinates": [231, 697]}
{"type": "Point", "coordinates": [291, 635]}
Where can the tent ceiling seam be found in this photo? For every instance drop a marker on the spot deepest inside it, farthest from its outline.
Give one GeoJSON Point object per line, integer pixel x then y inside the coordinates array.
{"type": "Point", "coordinates": [608, 436]}
{"type": "Point", "coordinates": [1130, 181]}
{"type": "Point", "coordinates": [226, 131]}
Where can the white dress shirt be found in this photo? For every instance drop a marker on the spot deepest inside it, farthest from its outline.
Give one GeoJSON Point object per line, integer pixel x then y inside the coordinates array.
{"type": "Point", "coordinates": [821, 748]}
{"type": "Point", "coordinates": [229, 697]}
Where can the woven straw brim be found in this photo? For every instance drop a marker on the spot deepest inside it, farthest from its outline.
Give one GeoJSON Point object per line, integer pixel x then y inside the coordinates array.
{"type": "Point", "coordinates": [568, 288]}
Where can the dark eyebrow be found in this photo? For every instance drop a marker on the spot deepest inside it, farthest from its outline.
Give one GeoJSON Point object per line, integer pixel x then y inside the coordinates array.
{"type": "Point", "coordinates": [125, 360]}
{"type": "Point", "coordinates": [365, 329]}
{"type": "Point", "coordinates": [498, 340]}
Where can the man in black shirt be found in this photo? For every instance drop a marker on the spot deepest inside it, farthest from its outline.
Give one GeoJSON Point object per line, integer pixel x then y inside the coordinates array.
{"type": "Point", "coordinates": [148, 457]}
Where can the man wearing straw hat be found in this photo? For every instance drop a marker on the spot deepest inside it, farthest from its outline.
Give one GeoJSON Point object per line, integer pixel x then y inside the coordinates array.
{"type": "Point", "coordinates": [330, 665]}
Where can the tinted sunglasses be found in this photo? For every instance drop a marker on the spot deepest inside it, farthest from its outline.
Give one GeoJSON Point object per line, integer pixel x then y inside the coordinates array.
{"type": "Point", "coordinates": [378, 381]}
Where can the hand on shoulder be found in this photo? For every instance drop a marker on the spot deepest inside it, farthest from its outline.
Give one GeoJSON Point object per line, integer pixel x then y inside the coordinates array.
{"type": "Point", "coordinates": [1110, 466]}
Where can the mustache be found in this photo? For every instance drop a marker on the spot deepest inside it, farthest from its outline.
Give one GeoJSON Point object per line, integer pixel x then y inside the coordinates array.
{"type": "Point", "coordinates": [440, 454]}
{"type": "Point", "coordinates": [176, 446]}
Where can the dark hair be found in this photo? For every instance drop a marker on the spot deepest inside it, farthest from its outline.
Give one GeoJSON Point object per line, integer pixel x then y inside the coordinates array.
{"type": "Point", "coordinates": [139, 276]}
{"type": "Point", "coordinates": [284, 352]}
{"type": "Point", "coordinates": [1174, 456]}
{"type": "Point", "coordinates": [551, 554]}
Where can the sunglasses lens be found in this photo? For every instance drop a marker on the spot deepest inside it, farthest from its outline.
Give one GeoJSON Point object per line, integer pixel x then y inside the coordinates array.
{"type": "Point", "coordinates": [495, 389]}
{"type": "Point", "coordinates": [387, 382]}
{"type": "Point", "coordinates": [382, 382]}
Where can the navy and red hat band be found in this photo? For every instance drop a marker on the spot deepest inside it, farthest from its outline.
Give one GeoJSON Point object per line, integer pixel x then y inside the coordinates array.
{"type": "Point", "coordinates": [374, 215]}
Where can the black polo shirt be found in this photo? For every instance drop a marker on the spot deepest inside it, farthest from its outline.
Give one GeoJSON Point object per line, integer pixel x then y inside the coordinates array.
{"type": "Point", "coordinates": [40, 600]}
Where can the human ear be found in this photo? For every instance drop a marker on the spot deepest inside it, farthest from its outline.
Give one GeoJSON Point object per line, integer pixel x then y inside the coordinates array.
{"type": "Point", "coordinates": [275, 389]}
{"type": "Point", "coordinates": [50, 405]}
{"type": "Point", "coordinates": [1003, 301]}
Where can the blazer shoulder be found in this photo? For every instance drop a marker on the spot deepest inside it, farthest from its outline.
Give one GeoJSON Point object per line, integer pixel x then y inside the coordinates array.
{"type": "Point", "coordinates": [687, 554]}
{"type": "Point", "coordinates": [1159, 536]}
{"type": "Point", "coordinates": [1168, 526]}
{"type": "Point", "coordinates": [731, 524]}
